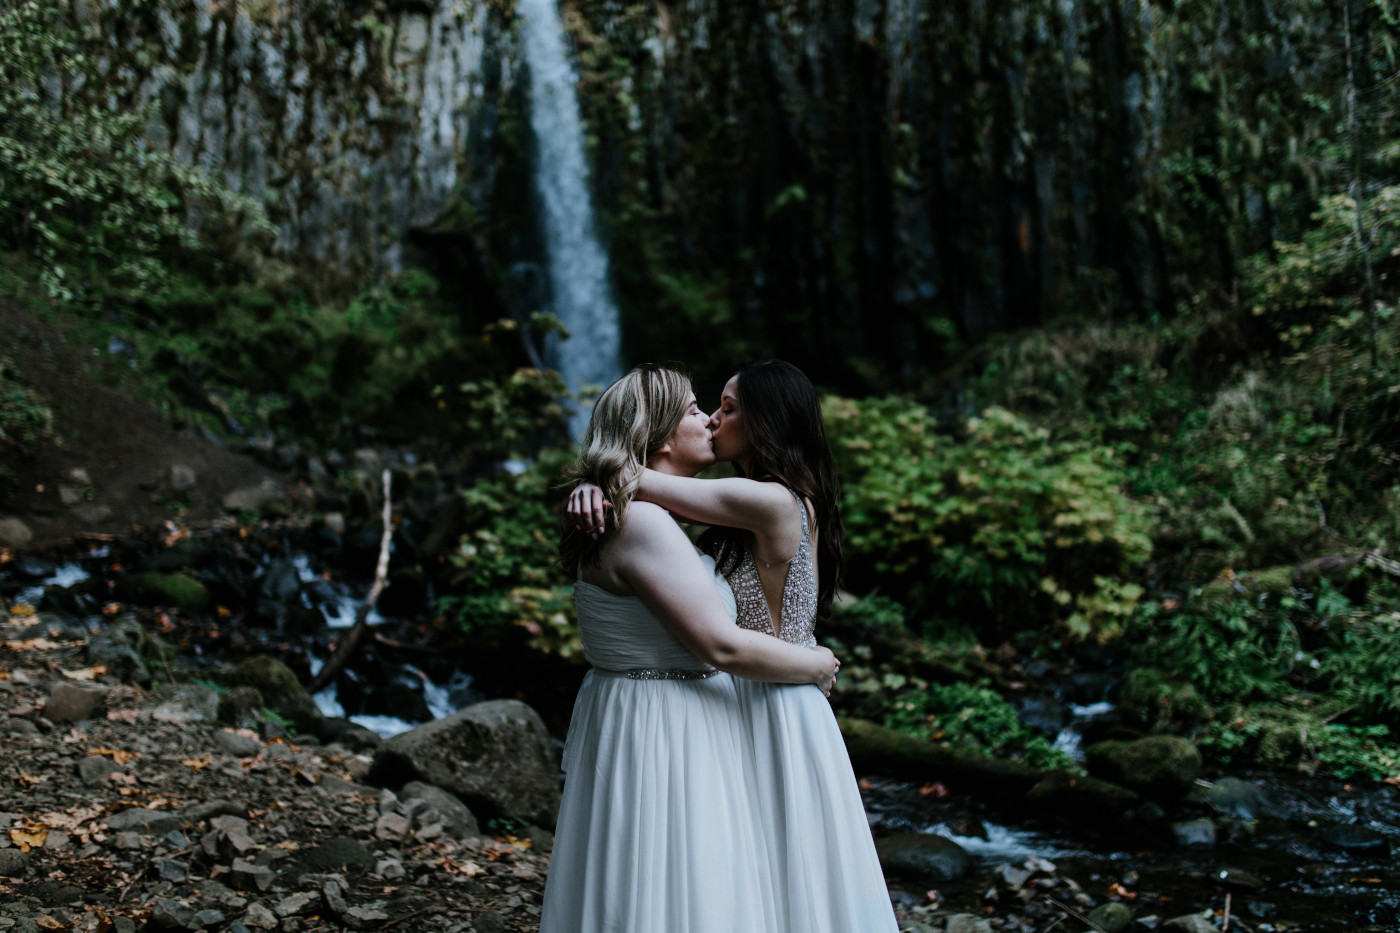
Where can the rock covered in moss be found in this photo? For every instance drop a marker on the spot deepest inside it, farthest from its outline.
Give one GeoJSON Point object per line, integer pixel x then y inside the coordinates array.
{"type": "Point", "coordinates": [923, 857]}
{"type": "Point", "coordinates": [1161, 767]}
{"type": "Point", "coordinates": [280, 689]}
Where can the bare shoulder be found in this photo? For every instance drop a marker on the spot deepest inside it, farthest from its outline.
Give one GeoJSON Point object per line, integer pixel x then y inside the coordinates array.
{"type": "Point", "coordinates": [647, 525]}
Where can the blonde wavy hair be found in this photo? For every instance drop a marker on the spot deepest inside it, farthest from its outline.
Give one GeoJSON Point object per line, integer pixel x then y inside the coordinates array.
{"type": "Point", "coordinates": [630, 422]}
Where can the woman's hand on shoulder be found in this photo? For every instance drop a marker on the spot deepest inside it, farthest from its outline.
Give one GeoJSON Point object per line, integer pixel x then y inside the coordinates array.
{"type": "Point", "coordinates": [587, 509]}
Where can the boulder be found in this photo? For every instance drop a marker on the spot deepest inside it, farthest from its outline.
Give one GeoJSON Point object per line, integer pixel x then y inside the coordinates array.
{"type": "Point", "coordinates": [14, 533]}
{"type": "Point", "coordinates": [923, 858]}
{"type": "Point", "coordinates": [280, 690]}
{"type": "Point", "coordinates": [1081, 798]}
{"type": "Point", "coordinates": [1160, 767]}
{"type": "Point", "coordinates": [495, 756]}
{"type": "Point", "coordinates": [1236, 799]}
{"type": "Point", "coordinates": [173, 590]}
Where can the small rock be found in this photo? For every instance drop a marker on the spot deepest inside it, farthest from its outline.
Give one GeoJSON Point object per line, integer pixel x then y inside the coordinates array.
{"type": "Point", "coordinates": [20, 727]}
{"type": "Point", "coordinates": [968, 923]}
{"type": "Point", "coordinates": [1191, 923]}
{"type": "Point", "coordinates": [490, 922]}
{"type": "Point", "coordinates": [249, 877]}
{"type": "Point", "coordinates": [294, 904]}
{"type": "Point", "coordinates": [1111, 917]}
{"type": "Point", "coordinates": [1195, 832]}
{"type": "Point", "coordinates": [172, 870]}
{"type": "Point", "coordinates": [334, 898]}
{"type": "Point", "coordinates": [141, 820]}
{"type": "Point", "coordinates": [237, 744]}
{"type": "Point", "coordinates": [93, 513]}
{"type": "Point", "coordinates": [70, 702]}
{"type": "Point", "coordinates": [368, 918]}
{"type": "Point", "coordinates": [181, 478]}
{"type": "Point", "coordinates": [94, 769]}
{"type": "Point", "coordinates": [336, 855]}
{"type": "Point", "coordinates": [390, 869]}
{"type": "Point", "coordinates": [13, 863]}
{"type": "Point", "coordinates": [167, 914]}
{"type": "Point", "coordinates": [259, 917]}
{"type": "Point", "coordinates": [392, 827]}
{"type": "Point", "coordinates": [14, 533]}
{"type": "Point", "coordinates": [208, 918]}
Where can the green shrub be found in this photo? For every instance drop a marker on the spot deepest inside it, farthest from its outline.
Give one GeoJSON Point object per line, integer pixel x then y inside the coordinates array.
{"type": "Point", "coordinates": [974, 718]}
{"type": "Point", "coordinates": [507, 570]}
{"type": "Point", "coordinates": [1001, 522]}
{"type": "Point", "coordinates": [24, 418]}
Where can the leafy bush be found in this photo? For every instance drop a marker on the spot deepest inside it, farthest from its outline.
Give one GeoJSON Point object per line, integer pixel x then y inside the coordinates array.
{"type": "Point", "coordinates": [507, 568]}
{"type": "Point", "coordinates": [24, 418]}
{"type": "Point", "coordinates": [974, 718]}
{"type": "Point", "coordinates": [1002, 520]}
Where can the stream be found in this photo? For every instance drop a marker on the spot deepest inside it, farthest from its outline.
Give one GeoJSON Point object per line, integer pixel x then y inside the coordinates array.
{"type": "Point", "coordinates": [1315, 854]}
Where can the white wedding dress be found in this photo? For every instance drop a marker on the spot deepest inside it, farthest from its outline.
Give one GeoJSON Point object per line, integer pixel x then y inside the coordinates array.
{"type": "Point", "coordinates": [658, 828]}
{"type": "Point", "coordinates": [825, 871]}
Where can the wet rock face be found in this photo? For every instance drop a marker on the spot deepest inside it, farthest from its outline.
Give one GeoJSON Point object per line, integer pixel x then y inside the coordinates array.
{"type": "Point", "coordinates": [923, 857]}
{"type": "Point", "coordinates": [345, 119]}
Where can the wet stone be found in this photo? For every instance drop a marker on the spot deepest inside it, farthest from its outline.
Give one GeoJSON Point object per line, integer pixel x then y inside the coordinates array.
{"type": "Point", "coordinates": [237, 744]}
{"type": "Point", "coordinates": [1195, 833]}
{"type": "Point", "coordinates": [1354, 838]}
{"type": "Point", "coordinates": [294, 904]}
{"type": "Point", "coordinates": [1111, 917]}
{"type": "Point", "coordinates": [13, 863]}
{"type": "Point", "coordinates": [259, 917]}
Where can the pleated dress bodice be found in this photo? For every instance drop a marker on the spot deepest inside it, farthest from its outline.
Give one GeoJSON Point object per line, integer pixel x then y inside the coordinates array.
{"type": "Point", "coordinates": [621, 634]}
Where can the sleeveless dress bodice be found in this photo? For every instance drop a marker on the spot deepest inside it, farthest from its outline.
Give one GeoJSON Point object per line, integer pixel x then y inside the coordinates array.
{"type": "Point", "coordinates": [797, 619]}
{"type": "Point", "coordinates": [621, 635]}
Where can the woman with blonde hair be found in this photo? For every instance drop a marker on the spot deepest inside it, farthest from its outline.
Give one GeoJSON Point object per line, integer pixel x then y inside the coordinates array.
{"type": "Point", "coordinates": [656, 827]}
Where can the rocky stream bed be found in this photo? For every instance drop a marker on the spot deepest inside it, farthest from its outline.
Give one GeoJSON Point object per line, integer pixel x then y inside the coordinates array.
{"type": "Point", "coordinates": [144, 789]}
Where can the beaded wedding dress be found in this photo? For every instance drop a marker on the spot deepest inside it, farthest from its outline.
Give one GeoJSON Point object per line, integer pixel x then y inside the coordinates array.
{"type": "Point", "coordinates": [825, 872]}
{"type": "Point", "coordinates": [658, 827]}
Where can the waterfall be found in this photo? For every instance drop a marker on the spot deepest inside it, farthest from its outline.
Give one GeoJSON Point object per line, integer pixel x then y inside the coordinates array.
{"type": "Point", "coordinates": [578, 267]}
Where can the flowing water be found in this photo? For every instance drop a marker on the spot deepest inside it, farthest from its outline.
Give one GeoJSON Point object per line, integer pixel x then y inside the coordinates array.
{"type": "Point", "coordinates": [580, 296]}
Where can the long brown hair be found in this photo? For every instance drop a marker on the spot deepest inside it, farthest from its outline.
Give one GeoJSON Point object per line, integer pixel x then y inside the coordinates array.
{"type": "Point", "coordinates": [631, 420]}
{"type": "Point", "coordinates": [782, 419]}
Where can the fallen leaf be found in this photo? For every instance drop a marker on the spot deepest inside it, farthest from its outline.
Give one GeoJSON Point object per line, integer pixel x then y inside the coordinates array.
{"type": "Point", "coordinates": [112, 609]}
{"type": "Point", "coordinates": [1120, 891]}
{"type": "Point", "coordinates": [935, 789]}
{"type": "Point", "coordinates": [120, 756]}
{"type": "Point", "coordinates": [29, 780]}
{"type": "Point", "coordinates": [27, 840]}
{"type": "Point", "coordinates": [199, 764]}
{"type": "Point", "coordinates": [22, 610]}
{"type": "Point", "coordinates": [121, 714]}
{"type": "Point", "coordinates": [49, 923]}
{"type": "Point", "coordinates": [87, 673]}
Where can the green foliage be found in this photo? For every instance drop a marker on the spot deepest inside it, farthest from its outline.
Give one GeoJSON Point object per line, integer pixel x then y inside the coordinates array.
{"type": "Point", "coordinates": [1351, 750]}
{"type": "Point", "coordinates": [506, 561]}
{"type": "Point", "coordinates": [1001, 519]}
{"type": "Point", "coordinates": [24, 418]}
{"type": "Point", "coordinates": [1303, 285]}
{"type": "Point", "coordinates": [78, 185]}
{"type": "Point", "coordinates": [975, 718]}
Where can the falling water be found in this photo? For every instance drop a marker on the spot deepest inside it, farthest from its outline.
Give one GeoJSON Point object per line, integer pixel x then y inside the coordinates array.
{"type": "Point", "coordinates": [578, 266]}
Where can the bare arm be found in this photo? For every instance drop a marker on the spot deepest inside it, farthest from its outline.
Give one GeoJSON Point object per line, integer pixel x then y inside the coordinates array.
{"type": "Point", "coordinates": [734, 502]}
{"type": "Point", "coordinates": [657, 560]}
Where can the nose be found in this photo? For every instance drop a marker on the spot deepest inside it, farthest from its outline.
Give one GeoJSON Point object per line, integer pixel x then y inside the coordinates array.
{"type": "Point", "coordinates": [713, 423]}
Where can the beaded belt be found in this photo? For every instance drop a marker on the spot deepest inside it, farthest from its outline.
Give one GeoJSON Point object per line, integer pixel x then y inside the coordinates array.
{"type": "Point", "coordinates": [662, 673]}
{"type": "Point", "coordinates": [669, 674]}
